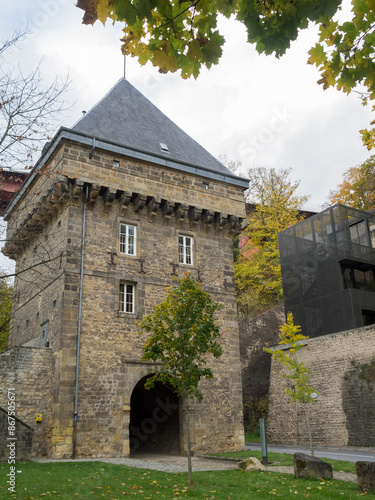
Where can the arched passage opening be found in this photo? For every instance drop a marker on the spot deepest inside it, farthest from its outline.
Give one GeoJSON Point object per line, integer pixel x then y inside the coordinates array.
{"type": "Point", "coordinates": [154, 419]}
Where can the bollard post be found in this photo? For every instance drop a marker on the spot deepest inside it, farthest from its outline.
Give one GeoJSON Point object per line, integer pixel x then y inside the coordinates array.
{"type": "Point", "coordinates": [263, 441]}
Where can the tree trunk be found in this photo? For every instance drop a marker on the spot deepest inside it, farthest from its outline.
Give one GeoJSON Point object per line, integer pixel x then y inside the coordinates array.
{"type": "Point", "coordinates": [188, 447]}
{"type": "Point", "coordinates": [308, 429]}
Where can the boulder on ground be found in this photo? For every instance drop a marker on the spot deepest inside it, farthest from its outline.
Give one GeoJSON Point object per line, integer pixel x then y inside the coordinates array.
{"type": "Point", "coordinates": [311, 467]}
{"type": "Point", "coordinates": [366, 475]}
{"type": "Point", "coordinates": [250, 463]}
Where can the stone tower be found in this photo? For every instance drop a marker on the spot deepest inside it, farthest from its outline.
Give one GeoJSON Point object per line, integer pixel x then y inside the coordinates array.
{"type": "Point", "coordinates": [116, 208]}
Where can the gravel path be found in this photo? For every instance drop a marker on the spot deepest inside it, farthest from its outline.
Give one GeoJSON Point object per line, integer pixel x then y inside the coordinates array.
{"type": "Point", "coordinates": [174, 463]}
{"type": "Point", "coordinates": [167, 463]}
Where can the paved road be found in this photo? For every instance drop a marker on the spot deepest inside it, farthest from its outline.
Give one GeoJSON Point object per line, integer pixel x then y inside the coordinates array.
{"type": "Point", "coordinates": [348, 454]}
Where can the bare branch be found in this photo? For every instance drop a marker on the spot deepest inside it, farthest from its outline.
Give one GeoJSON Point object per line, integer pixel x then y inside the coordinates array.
{"type": "Point", "coordinates": [29, 110]}
{"type": "Point", "coordinates": [12, 41]}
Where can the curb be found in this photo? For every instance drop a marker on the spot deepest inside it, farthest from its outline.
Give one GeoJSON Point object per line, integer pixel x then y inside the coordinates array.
{"type": "Point", "coordinates": [223, 459]}
{"type": "Point", "coordinates": [320, 448]}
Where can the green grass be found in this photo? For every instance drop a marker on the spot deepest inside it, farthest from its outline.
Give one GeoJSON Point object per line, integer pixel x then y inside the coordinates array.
{"type": "Point", "coordinates": [341, 466]}
{"type": "Point", "coordinates": [254, 436]}
{"type": "Point", "coordinates": [87, 480]}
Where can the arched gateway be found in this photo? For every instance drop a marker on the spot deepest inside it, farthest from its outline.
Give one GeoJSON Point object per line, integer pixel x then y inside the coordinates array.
{"type": "Point", "coordinates": [154, 419]}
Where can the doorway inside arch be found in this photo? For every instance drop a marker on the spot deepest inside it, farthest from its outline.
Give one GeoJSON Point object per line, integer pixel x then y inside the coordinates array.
{"type": "Point", "coordinates": [154, 419]}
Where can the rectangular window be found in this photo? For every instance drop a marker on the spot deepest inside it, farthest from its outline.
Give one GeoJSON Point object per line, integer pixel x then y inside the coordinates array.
{"type": "Point", "coordinates": [128, 239]}
{"type": "Point", "coordinates": [44, 335]}
{"type": "Point", "coordinates": [359, 278]}
{"type": "Point", "coordinates": [359, 233]}
{"type": "Point", "coordinates": [185, 250]}
{"type": "Point", "coordinates": [127, 298]}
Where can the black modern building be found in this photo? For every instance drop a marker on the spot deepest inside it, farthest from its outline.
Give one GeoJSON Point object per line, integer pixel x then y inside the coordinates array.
{"type": "Point", "coordinates": [328, 270]}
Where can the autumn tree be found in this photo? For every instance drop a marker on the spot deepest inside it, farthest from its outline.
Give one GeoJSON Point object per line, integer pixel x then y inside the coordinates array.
{"type": "Point", "coordinates": [358, 187]}
{"type": "Point", "coordinates": [297, 373]}
{"type": "Point", "coordinates": [6, 295]}
{"type": "Point", "coordinates": [183, 335]}
{"type": "Point", "coordinates": [29, 110]}
{"type": "Point", "coordinates": [184, 34]}
{"type": "Point", "coordinates": [276, 206]}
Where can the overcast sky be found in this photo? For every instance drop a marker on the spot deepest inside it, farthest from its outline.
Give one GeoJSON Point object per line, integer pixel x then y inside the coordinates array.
{"type": "Point", "coordinates": [255, 109]}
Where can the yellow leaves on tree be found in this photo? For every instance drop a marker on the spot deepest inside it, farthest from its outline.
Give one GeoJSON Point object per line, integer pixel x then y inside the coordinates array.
{"type": "Point", "coordinates": [358, 187]}
{"type": "Point", "coordinates": [257, 271]}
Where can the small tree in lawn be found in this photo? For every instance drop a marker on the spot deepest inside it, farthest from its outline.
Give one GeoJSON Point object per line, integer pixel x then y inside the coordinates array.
{"type": "Point", "coordinates": [183, 334]}
{"type": "Point", "coordinates": [298, 373]}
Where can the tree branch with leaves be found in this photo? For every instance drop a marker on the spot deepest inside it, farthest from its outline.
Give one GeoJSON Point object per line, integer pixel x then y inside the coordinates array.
{"type": "Point", "coordinates": [184, 34]}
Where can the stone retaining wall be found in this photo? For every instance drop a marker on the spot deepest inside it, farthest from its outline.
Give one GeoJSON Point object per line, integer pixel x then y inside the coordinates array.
{"type": "Point", "coordinates": [343, 372]}
{"type": "Point", "coordinates": [255, 334]}
{"type": "Point", "coordinates": [27, 370]}
{"type": "Point", "coordinates": [22, 444]}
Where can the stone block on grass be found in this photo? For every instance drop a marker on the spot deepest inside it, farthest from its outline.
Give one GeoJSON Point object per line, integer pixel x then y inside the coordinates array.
{"type": "Point", "coordinates": [309, 467]}
{"type": "Point", "coordinates": [250, 463]}
{"type": "Point", "coordinates": [366, 476]}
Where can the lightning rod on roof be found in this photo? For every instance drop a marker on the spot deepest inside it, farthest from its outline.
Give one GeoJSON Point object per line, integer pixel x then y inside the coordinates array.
{"type": "Point", "coordinates": [125, 61]}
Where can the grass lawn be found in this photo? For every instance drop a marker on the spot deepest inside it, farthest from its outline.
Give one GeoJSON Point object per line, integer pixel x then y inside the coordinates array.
{"type": "Point", "coordinates": [86, 480]}
{"type": "Point", "coordinates": [254, 436]}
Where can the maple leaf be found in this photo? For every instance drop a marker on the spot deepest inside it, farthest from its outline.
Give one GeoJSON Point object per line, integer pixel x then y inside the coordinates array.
{"type": "Point", "coordinates": [317, 55]}
{"type": "Point", "coordinates": [164, 61]}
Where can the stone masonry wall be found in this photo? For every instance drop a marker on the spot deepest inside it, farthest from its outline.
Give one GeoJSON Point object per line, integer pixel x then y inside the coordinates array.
{"type": "Point", "coordinates": [20, 448]}
{"type": "Point", "coordinates": [156, 180]}
{"type": "Point", "coordinates": [27, 370]}
{"type": "Point", "coordinates": [256, 333]}
{"type": "Point", "coordinates": [343, 371]}
{"type": "Point", "coordinates": [38, 290]}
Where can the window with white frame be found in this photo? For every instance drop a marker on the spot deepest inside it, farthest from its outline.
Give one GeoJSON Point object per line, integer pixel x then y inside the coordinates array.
{"type": "Point", "coordinates": [127, 297]}
{"type": "Point", "coordinates": [128, 239]}
{"type": "Point", "coordinates": [185, 250]}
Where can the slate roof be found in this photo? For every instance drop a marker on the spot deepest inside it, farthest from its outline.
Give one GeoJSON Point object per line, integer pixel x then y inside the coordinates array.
{"type": "Point", "coordinates": [126, 117]}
